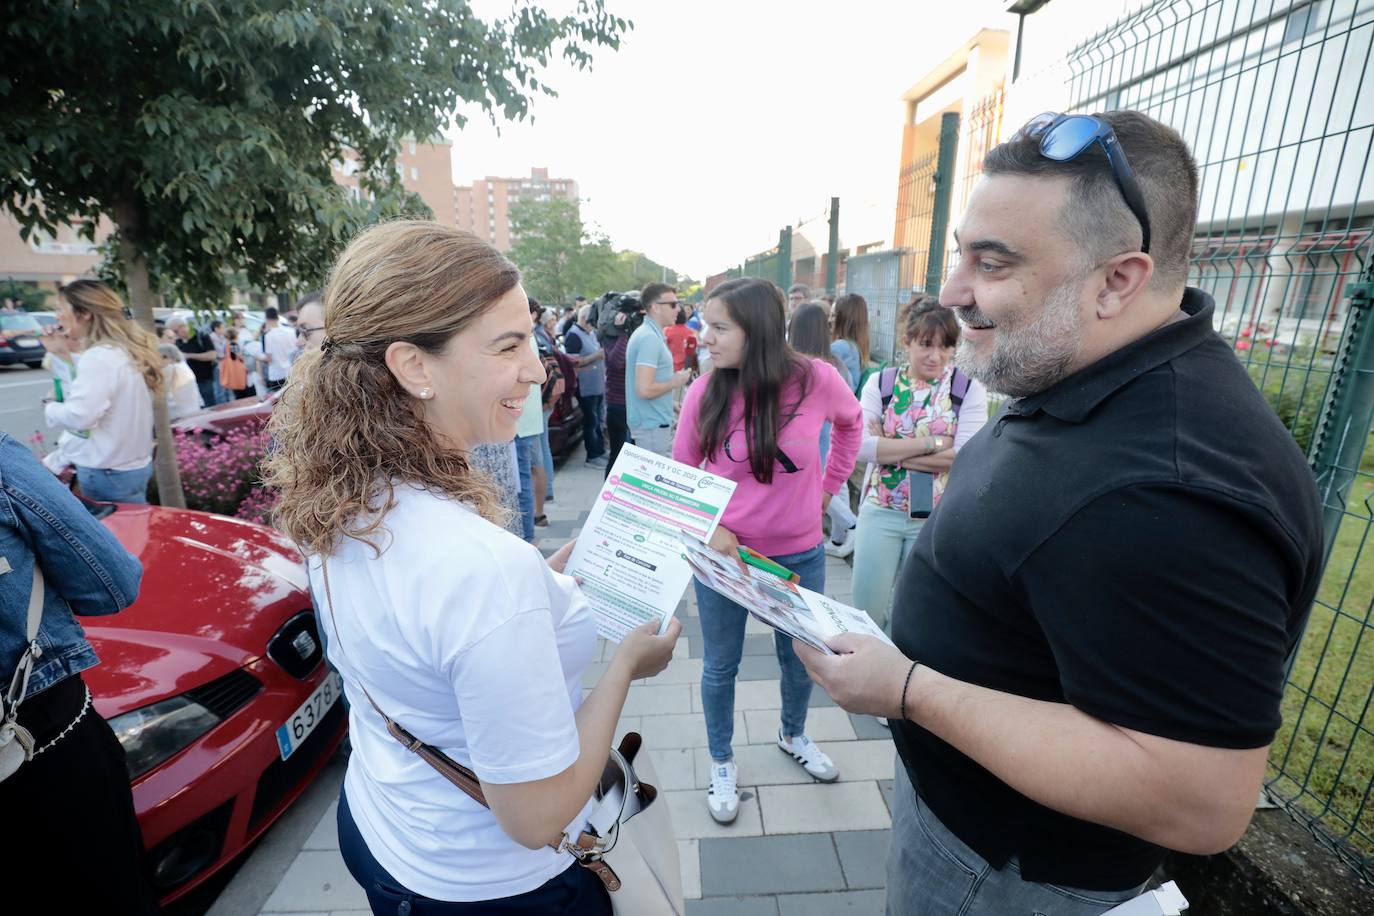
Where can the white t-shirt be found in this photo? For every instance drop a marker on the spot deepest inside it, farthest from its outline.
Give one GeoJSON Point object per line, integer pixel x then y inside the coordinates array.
{"type": "Point", "coordinates": [463, 635]}
{"type": "Point", "coordinates": [183, 395]}
{"type": "Point", "coordinates": [279, 343]}
{"type": "Point", "coordinates": [109, 408]}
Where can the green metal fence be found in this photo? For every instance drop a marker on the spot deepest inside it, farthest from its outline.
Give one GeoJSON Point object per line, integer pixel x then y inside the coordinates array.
{"type": "Point", "coordinates": [1276, 99]}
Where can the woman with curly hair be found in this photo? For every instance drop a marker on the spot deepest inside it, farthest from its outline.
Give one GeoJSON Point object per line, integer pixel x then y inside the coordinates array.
{"type": "Point", "coordinates": [432, 612]}
{"type": "Point", "coordinates": [107, 410]}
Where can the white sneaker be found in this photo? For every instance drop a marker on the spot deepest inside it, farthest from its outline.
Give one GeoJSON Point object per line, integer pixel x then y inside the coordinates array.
{"type": "Point", "coordinates": [810, 756]}
{"type": "Point", "coordinates": [844, 548]}
{"type": "Point", "coordinates": [723, 796]}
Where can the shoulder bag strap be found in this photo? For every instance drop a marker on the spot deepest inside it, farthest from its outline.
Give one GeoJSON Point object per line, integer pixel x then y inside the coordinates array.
{"type": "Point", "coordinates": [447, 767]}
{"type": "Point", "coordinates": [19, 684]}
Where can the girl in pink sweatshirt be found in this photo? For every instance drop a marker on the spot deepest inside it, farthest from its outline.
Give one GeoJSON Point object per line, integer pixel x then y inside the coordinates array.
{"type": "Point", "coordinates": [757, 419]}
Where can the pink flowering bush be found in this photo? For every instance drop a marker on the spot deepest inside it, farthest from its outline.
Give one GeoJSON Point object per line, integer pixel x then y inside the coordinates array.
{"type": "Point", "coordinates": [221, 474]}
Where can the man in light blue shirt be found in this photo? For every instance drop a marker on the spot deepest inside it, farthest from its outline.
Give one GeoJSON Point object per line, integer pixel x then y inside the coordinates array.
{"type": "Point", "coordinates": [649, 377]}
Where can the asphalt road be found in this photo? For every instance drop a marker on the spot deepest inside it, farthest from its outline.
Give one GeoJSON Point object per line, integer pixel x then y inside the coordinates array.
{"type": "Point", "coordinates": [21, 409]}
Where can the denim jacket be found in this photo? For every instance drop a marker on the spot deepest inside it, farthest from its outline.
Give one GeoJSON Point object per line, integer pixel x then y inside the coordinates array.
{"type": "Point", "coordinates": [86, 571]}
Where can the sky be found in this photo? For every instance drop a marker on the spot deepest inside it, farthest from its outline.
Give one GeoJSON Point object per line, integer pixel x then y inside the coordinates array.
{"type": "Point", "coordinates": [717, 123]}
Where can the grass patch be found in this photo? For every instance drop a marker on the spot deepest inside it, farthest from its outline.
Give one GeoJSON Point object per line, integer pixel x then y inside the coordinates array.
{"type": "Point", "coordinates": [1323, 756]}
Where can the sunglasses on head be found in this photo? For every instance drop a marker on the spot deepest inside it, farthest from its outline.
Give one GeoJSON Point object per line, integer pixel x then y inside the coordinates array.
{"type": "Point", "coordinates": [1064, 138]}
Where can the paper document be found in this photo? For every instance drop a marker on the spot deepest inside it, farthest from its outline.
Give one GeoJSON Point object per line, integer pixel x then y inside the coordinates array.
{"type": "Point", "coordinates": [1166, 900]}
{"type": "Point", "coordinates": [629, 555]}
{"type": "Point", "coordinates": [800, 613]}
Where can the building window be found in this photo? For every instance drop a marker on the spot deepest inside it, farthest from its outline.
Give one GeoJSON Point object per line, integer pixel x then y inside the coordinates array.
{"type": "Point", "coordinates": [412, 148]}
{"type": "Point", "coordinates": [414, 173]}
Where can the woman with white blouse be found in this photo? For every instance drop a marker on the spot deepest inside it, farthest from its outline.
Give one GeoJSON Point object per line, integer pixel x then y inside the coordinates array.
{"type": "Point", "coordinates": [108, 407]}
{"type": "Point", "coordinates": [453, 627]}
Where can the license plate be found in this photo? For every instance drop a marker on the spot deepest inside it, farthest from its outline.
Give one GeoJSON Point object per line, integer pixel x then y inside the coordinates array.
{"type": "Point", "coordinates": [297, 728]}
{"type": "Point", "coordinates": [26, 342]}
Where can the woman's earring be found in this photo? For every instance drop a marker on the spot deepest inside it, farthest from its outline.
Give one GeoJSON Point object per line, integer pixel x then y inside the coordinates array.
{"type": "Point", "coordinates": [426, 394]}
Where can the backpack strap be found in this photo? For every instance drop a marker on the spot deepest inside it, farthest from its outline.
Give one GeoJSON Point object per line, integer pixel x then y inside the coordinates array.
{"type": "Point", "coordinates": [958, 390]}
{"type": "Point", "coordinates": [887, 381]}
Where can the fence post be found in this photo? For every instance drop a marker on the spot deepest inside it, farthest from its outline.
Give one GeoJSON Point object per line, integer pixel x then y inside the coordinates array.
{"type": "Point", "coordinates": [785, 258]}
{"type": "Point", "coordinates": [832, 267]}
{"type": "Point", "coordinates": [1338, 441]}
{"type": "Point", "coordinates": [944, 185]}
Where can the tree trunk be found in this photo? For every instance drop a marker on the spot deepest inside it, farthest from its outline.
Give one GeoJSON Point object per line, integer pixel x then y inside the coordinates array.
{"type": "Point", "coordinates": [127, 213]}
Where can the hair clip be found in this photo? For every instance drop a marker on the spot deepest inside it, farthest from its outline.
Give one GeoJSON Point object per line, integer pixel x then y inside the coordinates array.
{"type": "Point", "coordinates": [328, 346]}
{"type": "Point", "coordinates": [128, 313]}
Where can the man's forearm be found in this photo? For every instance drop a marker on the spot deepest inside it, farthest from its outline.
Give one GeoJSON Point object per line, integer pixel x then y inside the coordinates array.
{"type": "Point", "coordinates": [1177, 795]}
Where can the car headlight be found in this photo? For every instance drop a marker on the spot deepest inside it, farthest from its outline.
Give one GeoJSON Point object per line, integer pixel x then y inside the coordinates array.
{"type": "Point", "coordinates": [153, 733]}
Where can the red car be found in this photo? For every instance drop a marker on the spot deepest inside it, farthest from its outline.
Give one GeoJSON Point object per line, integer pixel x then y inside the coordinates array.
{"type": "Point", "coordinates": [214, 683]}
{"type": "Point", "coordinates": [223, 417]}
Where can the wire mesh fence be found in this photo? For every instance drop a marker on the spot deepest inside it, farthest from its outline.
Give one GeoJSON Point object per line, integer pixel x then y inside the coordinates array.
{"type": "Point", "coordinates": [1275, 99]}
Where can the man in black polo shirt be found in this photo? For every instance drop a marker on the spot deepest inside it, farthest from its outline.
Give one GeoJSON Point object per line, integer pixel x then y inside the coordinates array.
{"type": "Point", "coordinates": [199, 351]}
{"type": "Point", "coordinates": [1093, 624]}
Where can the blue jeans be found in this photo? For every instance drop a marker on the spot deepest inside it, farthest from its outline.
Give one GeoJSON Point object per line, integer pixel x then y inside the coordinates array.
{"type": "Point", "coordinates": [881, 542]}
{"type": "Point", "coordinates": [107, 486]}
{"type": "Point", "coordinates": [931, 872]}
{"type": "Point", "coordinates": [722, 630]}
{"type": "Point", "coordinates": [591, 425]}
{"type": "Point", "coordinates": [526, 454]}
{"type": "Point", "coordinates": [576, 892]}
{"type": "Point", "coordinates": [547, 456]}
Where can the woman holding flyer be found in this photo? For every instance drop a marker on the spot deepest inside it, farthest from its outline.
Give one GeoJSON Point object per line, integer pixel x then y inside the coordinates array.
{"type": "Point", "coordinates": [434, 614]}
{"type": "Point", "coordinates": [757, 419]}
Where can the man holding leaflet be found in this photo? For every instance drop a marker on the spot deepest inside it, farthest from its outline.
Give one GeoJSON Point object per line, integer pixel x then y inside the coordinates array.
{"type": "Point", "coordinates": [1093, 624]}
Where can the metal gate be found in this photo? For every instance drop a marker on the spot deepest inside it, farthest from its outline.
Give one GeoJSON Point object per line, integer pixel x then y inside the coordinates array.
{"type": "Point", "coordinates": [878, 277]}
{"type": "Point", "coordinates": [1276, 100]}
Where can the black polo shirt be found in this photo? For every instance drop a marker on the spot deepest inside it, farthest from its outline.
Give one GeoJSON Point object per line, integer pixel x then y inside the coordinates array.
{"type": "Point", "coordinates": [1143, 541]}
{"type": "Point", "coordinates": [199, 342]}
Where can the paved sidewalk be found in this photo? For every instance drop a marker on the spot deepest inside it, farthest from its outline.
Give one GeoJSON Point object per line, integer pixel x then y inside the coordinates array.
{"type": "Point", "coordinates": [798, 847]}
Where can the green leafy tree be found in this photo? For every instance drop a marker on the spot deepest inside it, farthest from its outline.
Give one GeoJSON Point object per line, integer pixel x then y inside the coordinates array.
{"type": "Point", "coordinates": [560, 257]}
{"type": "Point", "coordinates": [204, 129]}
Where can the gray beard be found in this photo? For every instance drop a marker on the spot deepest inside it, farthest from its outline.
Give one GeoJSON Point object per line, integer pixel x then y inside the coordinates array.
{"type": "Point", "coordinates": [1029, 358]}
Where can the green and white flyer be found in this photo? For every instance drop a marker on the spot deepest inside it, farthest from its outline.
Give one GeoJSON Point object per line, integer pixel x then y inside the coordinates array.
{"type": "Point", "coordinates": [629, 554]}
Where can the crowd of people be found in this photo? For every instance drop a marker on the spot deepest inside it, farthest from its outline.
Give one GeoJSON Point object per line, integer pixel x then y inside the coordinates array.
{"type": "Point", "coordinates": [1090, 595]}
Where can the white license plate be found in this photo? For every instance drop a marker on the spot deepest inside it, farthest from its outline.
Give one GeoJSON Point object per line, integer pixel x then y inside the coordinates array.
{"type": "Point", "coordinates": [26, 342]}
{"type": "Point", "coordinates": [305, 720]}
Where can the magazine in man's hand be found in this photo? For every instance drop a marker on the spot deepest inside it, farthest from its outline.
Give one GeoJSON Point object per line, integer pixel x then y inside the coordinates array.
{"type": "Point", "coordinates": [800, 613]}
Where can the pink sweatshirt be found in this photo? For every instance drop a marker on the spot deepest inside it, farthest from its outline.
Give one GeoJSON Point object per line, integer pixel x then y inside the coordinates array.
{"type": "Point", "coordinates": [783, 517]}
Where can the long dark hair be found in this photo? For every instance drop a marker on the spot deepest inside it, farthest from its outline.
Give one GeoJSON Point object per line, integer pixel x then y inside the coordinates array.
{"type": "Point", "coordinates": [851, 323]}
{"type": "Point", "coordinates": [809, 333]}
{"type": "Point", "coordinates": [760, 310]}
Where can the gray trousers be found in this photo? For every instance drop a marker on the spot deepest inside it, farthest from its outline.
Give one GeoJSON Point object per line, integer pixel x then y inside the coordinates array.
{"type": "Point", "coordinates": [930, 872]}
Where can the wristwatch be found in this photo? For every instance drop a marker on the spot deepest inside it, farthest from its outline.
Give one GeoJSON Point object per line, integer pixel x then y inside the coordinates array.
{"type": "Point", "coordinates": [939, 444]}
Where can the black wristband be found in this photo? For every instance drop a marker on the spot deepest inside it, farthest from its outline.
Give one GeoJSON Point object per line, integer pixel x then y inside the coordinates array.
{"type": "Point", "coordinates": [905, 685]}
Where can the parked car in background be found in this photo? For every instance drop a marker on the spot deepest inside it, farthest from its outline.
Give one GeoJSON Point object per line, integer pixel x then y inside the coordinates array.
{"type": "Point", "coordinates": [20, 339]}
{"type": "Point", "coordinates": [214, 682]}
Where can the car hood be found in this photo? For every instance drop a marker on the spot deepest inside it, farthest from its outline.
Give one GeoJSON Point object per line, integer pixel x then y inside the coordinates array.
{"type": "Point", "coordinates": [222, 417]}
{"type": "Point", "coordinates": [214, 590]}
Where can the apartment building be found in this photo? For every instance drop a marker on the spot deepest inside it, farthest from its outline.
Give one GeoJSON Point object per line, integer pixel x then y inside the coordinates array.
{"type": "Point", "coordinates": [484, 206]}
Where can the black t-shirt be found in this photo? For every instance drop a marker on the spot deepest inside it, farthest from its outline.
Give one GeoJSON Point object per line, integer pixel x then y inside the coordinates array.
{"type": "Point", "coordinates": [1143, 541]}
{"type": "Point", "coordinates": [199, 342]}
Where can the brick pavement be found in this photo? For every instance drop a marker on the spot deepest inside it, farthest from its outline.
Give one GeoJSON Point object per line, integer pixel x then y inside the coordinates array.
{"type": "Point", "coordinates": [798, 847]}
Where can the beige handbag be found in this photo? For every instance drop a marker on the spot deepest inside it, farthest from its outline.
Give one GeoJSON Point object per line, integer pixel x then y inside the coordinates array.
{"type": "Point", "coordinates": [636, 857]}
{"type": "Point", "coordinates": [16, 744]}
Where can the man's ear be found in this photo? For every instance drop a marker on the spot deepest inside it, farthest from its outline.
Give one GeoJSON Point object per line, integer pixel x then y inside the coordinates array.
{"type": "Point", "coordinates": [1124, 278]}
{"type": "Point", "coordinates": [407, 364]}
